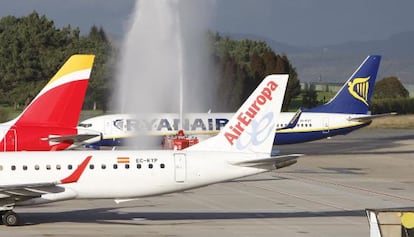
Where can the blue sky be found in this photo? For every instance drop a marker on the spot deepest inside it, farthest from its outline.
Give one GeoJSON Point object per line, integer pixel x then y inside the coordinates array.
{"type": "Point", "coordinates": [297, 22]}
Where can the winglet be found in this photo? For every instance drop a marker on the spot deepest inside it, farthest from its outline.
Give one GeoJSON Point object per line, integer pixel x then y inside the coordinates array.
{"type": "Point", "coordinates": [74, 177]}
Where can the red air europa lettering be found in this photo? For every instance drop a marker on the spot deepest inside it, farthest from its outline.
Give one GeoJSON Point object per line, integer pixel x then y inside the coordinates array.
{"type": "Point", "coordinates": [244, 118]}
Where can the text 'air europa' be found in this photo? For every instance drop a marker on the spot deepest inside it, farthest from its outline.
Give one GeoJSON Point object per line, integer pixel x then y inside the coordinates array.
{"type": "Point", "coordinates": [244, 118]}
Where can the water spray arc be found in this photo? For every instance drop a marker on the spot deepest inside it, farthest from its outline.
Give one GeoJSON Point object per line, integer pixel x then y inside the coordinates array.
{"type": "Point", "coordinates": [162, 48]}
{"type": "Point", "coordinates": [180, 70]}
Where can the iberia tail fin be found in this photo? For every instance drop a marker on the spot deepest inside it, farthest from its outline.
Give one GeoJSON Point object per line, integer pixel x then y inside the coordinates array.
{"type": "Point", "coordinates": [60, 102]}
{"type": "Point", "coordinates": [252, 127]}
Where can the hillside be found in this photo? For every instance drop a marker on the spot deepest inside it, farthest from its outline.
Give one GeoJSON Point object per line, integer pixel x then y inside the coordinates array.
{"type": "Point", "coordinates": [335, 63]}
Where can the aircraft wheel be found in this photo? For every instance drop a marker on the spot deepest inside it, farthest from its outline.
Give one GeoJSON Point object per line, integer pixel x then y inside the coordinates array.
{"type": "Point", "coordinates": [10, 218]}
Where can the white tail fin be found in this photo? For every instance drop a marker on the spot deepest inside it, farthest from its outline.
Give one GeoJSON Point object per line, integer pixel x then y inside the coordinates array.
{"type": "Point", "coordinates": [252, 128]}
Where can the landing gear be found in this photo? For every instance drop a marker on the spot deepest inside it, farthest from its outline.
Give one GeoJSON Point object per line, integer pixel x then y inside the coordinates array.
{"type": "Point", "coordinates": [9, 218]}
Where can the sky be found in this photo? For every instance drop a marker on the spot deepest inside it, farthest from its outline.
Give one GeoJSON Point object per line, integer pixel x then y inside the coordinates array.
{"type": "Point", "coordinates": [295, 22]}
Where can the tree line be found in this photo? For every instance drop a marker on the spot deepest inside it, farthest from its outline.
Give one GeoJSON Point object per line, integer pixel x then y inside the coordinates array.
{"type": "Point", "coordinates": [32, 49]}
{"type": "Point", "coordinates": [390, 95]}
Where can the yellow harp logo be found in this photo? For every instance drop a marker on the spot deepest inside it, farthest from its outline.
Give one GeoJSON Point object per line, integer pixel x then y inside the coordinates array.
{"type": "Point", "coordinates": [358, 88]}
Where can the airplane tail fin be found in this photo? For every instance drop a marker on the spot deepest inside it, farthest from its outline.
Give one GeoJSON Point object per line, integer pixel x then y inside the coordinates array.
{"type": "Point", "coordinates": [252, 127]}
{"type": "Point", "coordinates": [355, 95]}
{"type": "Point", "coordinates": [60, 102]}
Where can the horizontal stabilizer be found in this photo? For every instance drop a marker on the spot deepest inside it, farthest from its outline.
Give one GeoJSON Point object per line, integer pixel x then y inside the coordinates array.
{"type": "Point", "coordinates": [274, 162]}
{"type": "Point", "coordinates": [370, 117]}
{"type": "Point", "coordinates": [71, 138]}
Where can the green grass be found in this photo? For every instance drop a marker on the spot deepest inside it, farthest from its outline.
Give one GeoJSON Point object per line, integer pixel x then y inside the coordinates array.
{"type": "Point", "coordinates": [8, 113]}
{"type": "Point", "coordinates": [325, 96]}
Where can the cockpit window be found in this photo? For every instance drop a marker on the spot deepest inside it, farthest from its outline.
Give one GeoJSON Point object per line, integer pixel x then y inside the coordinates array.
{"type": "Point", "coordinates": [119, 123]}
{"type": "Point", "coordinates": [126, 125]}
{"type": "Point", "coordinates": [85, 125]}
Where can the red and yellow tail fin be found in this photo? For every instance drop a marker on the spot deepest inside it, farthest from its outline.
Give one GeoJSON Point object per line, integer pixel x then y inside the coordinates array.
{"type": "Point", "coordinates": [60, 102]}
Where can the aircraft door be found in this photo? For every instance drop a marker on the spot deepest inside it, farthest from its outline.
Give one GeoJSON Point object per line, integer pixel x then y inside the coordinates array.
{"type": "Point", "coordinates": [10, 141]}
{"type": "Point", "coordinates": [108, 126]}
{"type": "Point", "coordinates": [180, 165]}
{"type": "Point", "coordinates": [325, 125]}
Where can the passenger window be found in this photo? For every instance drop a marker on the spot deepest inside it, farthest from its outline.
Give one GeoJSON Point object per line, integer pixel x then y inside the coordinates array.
{"type": "Point", "coordinates": [91, 167]}
{"type": "Point", "coordinates": [138, 166]}
{"type": "Point", "coordinates": [162, 166]}
{"type": "Point", "coordinates": [48, 167]}
{"type": "Point", "coordinates": [13, 167]}
{"type": "Point", "coordinates": [58, 167]}
{"type": "Point", "coordinates": [24, 167]}
{"type": "Point", "coordinates": [37, 167]}
{"type": "Point", "coordinates": [70, 167]}
{"type": "Point", "coordinates": [150, 166]}
{"type": "Point", "coordinates": [115, 166]}
{"type": "Point", "coordinates": [126, 166]}
{"type": "Point", "coordinates": [103, 166]}
{"type": "Point", "coordinates": [1, 167]}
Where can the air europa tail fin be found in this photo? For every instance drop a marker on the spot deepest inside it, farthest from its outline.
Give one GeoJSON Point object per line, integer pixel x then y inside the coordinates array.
{"type": "Point", "coordinates": [252, 127]}
{"type": "Point", "coordinates": [355, 95]}
{"type": "Point", "coordinates": [60, 102]}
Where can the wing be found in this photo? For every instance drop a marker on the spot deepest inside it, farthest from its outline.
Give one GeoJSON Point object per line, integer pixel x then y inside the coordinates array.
{"type": "Point", "coordinates": [366, 118]}
{"type": "Point", "coordinates": [274, 162]}
{"type": "Point", "coordinates": [9, 194]}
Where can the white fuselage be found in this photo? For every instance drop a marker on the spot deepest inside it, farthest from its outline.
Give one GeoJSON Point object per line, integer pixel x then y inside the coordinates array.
{"type": "Point", "coordinates": [121, 174]}
{"type": "Point", "coordinates": [311, 125]}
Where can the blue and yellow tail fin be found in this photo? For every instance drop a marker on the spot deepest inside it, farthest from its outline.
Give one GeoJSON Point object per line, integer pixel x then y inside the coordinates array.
{"type": "Point", "coordinates": [355, 95]}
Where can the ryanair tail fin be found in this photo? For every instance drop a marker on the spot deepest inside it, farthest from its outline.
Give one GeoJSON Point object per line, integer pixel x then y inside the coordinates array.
{"type": "Point", "coordinates": [252, 127]}
{"type": "Point", "coordinates": [60, 102]}
{"type": "Point", "coordinates": [355, 95]}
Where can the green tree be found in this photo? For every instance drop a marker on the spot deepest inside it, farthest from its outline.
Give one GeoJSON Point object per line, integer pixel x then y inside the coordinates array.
{"type": "Point", "coordinates": [32, 49]}
{"type": "Point", "coordinates": [250, 61]}
{"type": "Point", "coordinates": [390, 87]}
